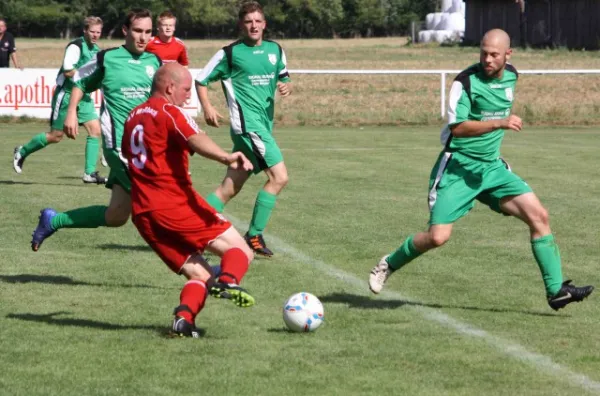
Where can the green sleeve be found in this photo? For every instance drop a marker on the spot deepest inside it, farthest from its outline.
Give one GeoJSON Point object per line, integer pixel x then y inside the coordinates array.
{"type": "Point", "coordinates": [89, 76]}
{"type": "Point", "coordinates": [216, 69]}
{"type": "Point", "coordinates": [283, 74]}
{"type": "Point", "coordinates": [459, 104]}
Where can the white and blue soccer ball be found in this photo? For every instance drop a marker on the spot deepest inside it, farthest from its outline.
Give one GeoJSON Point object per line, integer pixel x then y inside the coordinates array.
{"type": "Point", "coordinates": [303, 312]}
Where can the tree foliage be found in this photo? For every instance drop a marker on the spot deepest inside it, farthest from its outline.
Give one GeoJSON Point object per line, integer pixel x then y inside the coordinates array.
{"type": "Point", "coordinates": [217, 18]}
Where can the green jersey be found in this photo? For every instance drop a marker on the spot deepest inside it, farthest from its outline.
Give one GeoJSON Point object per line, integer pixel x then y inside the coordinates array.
{"type": "Point", "coordinates": [249, 77]}
{"type": "Point", "coordinates": [125, 80]}
{"type": "Point", "coordinates": [476, 97]}
{"type": "Point", "coordinates": [77, 53]}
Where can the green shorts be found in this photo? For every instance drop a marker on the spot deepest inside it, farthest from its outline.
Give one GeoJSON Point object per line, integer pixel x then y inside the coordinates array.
{"type": "Point", "coordinates": [118, 170]}
{"type": "Point", "coordinates": [60, 104]}
{"type": "Point", "coordinates": [456, 181]}
{"type": "Point", "coordinates": [259, 147]}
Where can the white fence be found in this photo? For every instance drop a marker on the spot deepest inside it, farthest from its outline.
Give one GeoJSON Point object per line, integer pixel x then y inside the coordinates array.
{"type": "Point", "coordinates": [441, 73]}
{"type": "Point", "coordinates": [28, 92]}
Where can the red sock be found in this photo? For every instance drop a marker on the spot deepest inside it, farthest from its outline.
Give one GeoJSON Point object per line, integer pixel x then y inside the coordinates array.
{"type": "Point", "coordinates": [193, 296]}
{"type": "Point", "coordinates": [234, 265]}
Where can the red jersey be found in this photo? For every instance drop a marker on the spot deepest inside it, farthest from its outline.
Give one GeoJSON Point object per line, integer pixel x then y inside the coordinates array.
{"type": "Point", "coordinates": [155, 146]}
{"type": "Point", "coordinates": [173, 51]}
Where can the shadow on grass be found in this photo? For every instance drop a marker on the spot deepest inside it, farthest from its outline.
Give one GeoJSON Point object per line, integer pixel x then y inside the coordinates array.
{"type": "Point", "coordinates": [51, 319]}
{"type": "Point", "coordinates": [68, 281]}
{"type": "Point", "coordinates": [116, 246]}
{"type": "Point", "coordinates": [28, 183]}
{"type": "Point", "coordinates": [364, 302]}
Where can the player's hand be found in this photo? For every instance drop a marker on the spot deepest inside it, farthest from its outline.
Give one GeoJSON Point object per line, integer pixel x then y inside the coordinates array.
{"type": "Point", "coordinates": [212, 116]}
{"type": "Point", "coordinates": [71, 126]}
{"type": "Point", "coordinates": [513, 122]}
{"type": "Point", "coordinates": [284, 89]}
{"type": "Point", "coordinates": [238, 160]}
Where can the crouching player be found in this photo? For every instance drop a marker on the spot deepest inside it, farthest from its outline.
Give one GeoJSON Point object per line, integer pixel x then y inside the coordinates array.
{"type": "Point", "coordinates": [169, 214]}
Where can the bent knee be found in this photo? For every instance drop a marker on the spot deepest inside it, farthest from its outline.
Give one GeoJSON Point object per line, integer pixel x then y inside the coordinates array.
{"type": "Point", "coordinates": [438, 239]}
{"type": "Point", "coordinates": [539, 216]}
{"type": "Point", "coordinates": [116, 218]}
{"type": "Point", "coordinates": [55, 136]}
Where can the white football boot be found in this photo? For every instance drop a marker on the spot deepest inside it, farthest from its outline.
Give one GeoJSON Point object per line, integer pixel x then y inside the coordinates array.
{"type": "Point", "coordinates": [379, 274]}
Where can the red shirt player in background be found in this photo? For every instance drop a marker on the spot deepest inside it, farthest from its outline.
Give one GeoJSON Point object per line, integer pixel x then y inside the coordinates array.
{"type": "Point", "coordinates": [169, 214]}
{"type": "Point", "coordinates": [167, 47]}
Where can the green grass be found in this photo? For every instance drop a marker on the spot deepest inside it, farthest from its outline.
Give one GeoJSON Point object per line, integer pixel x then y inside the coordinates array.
{"type": "Point", "coordinates": [87, 314]}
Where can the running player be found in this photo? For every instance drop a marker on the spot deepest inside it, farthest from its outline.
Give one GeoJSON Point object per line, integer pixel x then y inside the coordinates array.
{"type": "Point", "coordinates": [77, 53]}
{"type": "Point", "coordinates": [125, 76]}
{"type": "Point", "coordinates": [251, 71]}
{"type": "Point", "coordinates": [470, 168]}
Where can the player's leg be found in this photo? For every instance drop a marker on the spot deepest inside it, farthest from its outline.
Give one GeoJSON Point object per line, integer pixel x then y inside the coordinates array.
{"type": "Point", "coordinates": [87, 116]}
{"type": "Point", "coordinates": [528, 208]}
{"type": "Point", "coordinates": [230, 186]}
{"type": "Point", "coordinates": [452, 191]}
{"type": "Point", "coordinates": [161, 231]}
{"type": "Point", "coordinates": [192, 297]}
{"type": "Point", "coordinates": [266, 156]}
{"type": "Point", "coordinates": [60, 102]}
{"type": "Point", "coordinates": [235, 260]}
{"type": "Point", "coordinates": [264, 206]}
{"type": "Point", "coordinates": [412, 247]}
{"type": "Point", "coordinates": [113, 215]}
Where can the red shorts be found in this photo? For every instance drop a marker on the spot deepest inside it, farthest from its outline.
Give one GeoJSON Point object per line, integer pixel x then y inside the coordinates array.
{"type": "Point", "coordinates": [176, 234]}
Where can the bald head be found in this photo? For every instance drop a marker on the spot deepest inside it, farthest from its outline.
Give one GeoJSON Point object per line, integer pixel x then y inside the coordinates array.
{"type": "Point", "coordinates": [495, 52]}
{"type": "Point", "coordinates": [173, 82]}
{"type": "Point", "coordinates": [496, 38]}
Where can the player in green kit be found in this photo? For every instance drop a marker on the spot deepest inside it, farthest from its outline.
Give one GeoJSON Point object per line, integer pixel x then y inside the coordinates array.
{"type": "Point", "coordinates": [77, 53]}
{"type": "Point", "coordinates": [251, 70]}
{"type": "Point", "coordinates": [125, 76]}
{"type": "Point", "coordinates": [470, 168]}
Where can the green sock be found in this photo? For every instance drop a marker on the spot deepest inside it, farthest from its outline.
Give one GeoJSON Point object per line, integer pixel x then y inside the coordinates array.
{"type": "Point", "coordinates": [36, 143]}
{"type": "Point", "coordinates": [547, 255]}
{"type": "Point", "coordinates": [265, 202]}
{"type": "Point", "coordinates": [89, 217]}
{"type": "Point", "coordinates": [404, 254]}
{"type": "Point", "coordinates": [92, 145]}
{"type": "Point", "coordinates": [215, 202]}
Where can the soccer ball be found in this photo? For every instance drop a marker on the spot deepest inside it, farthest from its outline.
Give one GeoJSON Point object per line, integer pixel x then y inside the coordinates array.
{"type": "Point", "coordinates": [303, 312]}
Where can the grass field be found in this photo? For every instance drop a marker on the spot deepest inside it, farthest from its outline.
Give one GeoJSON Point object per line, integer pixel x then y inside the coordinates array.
{"type": "Point", "coordinates": [352, 100]}
{"type": "Point", "coordinates": [87, 314]}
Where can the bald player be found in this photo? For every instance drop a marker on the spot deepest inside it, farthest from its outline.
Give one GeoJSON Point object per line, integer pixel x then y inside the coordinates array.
{"type": "Point", "coordinates": [169, 214]}
{"type": "Point", "coordinates": [470, 169]}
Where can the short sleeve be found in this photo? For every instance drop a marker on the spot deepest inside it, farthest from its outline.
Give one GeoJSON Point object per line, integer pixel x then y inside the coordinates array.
{"type": "Point", "coordinates": [180, 125]}
{"type": "Point", "coordinates": [216, 69]}
{"type": "Point", "coordinates": [459, 104]}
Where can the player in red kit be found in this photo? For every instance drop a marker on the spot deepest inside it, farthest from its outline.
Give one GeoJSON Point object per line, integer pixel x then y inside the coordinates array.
{"type": "Point", "coordinates": [165, 45]}
{"type": "Point", "coordinates": [169, 214]}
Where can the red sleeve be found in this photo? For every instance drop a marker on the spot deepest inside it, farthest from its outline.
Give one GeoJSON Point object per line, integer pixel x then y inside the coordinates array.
{"type": "Point", "coordinates": [180, 125]}
{"type": "Point", "coordinates": [183, 56]}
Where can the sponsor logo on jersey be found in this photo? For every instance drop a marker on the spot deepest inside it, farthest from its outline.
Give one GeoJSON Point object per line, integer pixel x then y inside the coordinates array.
{"type": "Point", "coordinates": [509, 94]}
{"type": "Point", "coordinates": [150, 71]}
{"type": "Point", "coordinates": [273, 59]}
{"type": "Point", "coordinates": [134, 61]}
{"type": "Point", "coordinates": [258, 52]}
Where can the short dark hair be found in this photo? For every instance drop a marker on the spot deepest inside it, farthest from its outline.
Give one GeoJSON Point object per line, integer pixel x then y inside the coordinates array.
{"type": "Point", "coordinates": [248, 8]}
{"type": "Point", "coordinates": [136, 13]}
{"type": "Point", "coordinates": [3, 20]}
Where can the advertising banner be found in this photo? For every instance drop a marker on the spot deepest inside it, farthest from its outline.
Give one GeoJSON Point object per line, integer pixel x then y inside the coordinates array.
{"type": "Point", "coordinates": [29, 92]}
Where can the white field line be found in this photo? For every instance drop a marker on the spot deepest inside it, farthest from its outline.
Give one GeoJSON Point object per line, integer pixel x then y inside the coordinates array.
{"type": "Point", "coordinates": [540, 362]}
